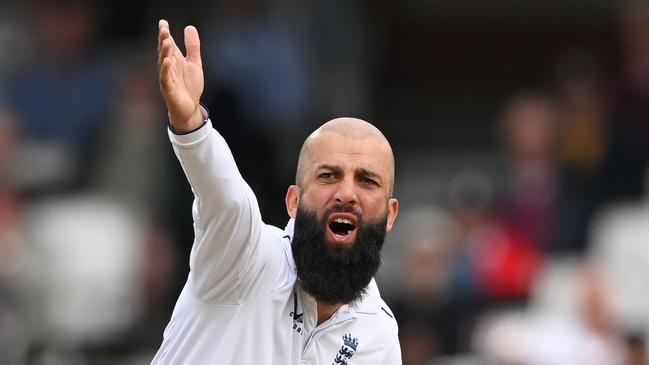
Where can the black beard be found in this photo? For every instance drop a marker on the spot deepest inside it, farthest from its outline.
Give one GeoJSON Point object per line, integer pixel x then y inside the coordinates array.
{"type": "Point", "coordinates": [334, 273]}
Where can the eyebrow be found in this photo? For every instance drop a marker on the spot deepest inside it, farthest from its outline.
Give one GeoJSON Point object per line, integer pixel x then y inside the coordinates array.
{"type": "Point", "coordinates": [329, 167]}
{"type": "Point", "coordinates": [358, 172]}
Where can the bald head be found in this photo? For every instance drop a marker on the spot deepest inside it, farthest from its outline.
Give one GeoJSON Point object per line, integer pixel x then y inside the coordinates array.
{"type": "Point", "coordinates": [342, 132]}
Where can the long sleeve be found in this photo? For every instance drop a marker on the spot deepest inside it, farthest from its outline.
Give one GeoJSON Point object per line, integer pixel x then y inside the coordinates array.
{"type": "Point", "coordinates": [227, 223]}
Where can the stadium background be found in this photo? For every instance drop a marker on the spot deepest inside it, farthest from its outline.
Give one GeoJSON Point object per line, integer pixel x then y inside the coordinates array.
{"type": "Point", "coordinates": [521, 134]}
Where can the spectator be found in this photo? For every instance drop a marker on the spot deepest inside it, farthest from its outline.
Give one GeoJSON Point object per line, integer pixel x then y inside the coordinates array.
{"type": "Point", "coordinates": [63, 96]}
{"type": "Point", "coordinates": [582, 143]}
{"type": "Point", "coordinates": [529, 201]}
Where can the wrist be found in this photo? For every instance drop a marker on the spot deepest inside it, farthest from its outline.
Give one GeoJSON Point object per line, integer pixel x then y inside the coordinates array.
{"type": "Point", "coordinates": [197, 120]}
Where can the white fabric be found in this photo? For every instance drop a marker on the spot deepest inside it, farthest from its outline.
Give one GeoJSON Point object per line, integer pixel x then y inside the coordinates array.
{"type": "Point", "coordinates": [242, 303]}
{"type": "Point", "coordinates": [620, 236]}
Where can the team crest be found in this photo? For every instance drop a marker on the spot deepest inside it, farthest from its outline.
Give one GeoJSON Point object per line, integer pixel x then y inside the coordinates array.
{"type": "Point", "coordinates": [347, 350]}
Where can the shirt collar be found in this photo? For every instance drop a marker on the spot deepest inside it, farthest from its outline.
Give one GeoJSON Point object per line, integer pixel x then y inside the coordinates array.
{"type": "Point", "coordinates": [370, 302]}
{"type": "Point", "coordinates": [288, 230]}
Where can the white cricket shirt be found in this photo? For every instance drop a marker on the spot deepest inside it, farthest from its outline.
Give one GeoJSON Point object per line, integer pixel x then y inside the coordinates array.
{"type": "Point", "coordinates": [242, 303]}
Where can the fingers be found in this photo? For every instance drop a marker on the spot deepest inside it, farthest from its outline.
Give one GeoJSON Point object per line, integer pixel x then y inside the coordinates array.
{"type": "Point", "coordinates": [164, 43]}
{"type": "Point", "coordinates": [165, 52]}
{"type": "Point", "coordinates": [163, 32]}
{"type": "Point", "coordinates": [166, 76]}
{"type": "Point", "coordinates": [165, 56]}
{"type": "Point", "coordinates": [168, 48]}
{"type": "Point", "coordinates": [193, 45]}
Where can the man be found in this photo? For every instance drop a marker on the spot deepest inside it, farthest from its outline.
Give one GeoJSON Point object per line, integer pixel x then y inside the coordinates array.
{"type": "Point", "coordinates": [256, 294]}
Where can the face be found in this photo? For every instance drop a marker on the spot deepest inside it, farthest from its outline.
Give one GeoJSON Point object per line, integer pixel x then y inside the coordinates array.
{"type": "Point", "coordinates": [341, 215]}
{"type": "Point", "coordinates": [351, 173]}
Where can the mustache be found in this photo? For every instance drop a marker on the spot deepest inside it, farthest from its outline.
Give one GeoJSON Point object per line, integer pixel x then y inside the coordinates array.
{"type": "Point", "coordinates": [342, 208]}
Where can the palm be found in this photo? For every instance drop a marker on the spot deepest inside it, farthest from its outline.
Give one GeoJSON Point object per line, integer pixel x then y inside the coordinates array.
{"type": "Point", "coordinates": [181, 77]}
{"type": "Point", "coordinates": [187, 81]}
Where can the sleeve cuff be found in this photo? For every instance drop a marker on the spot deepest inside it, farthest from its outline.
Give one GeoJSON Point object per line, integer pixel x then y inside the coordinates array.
{"type": "Point", "coordinates": [183, 133]}
{"type": "Point", "coordinates": [193, 136]}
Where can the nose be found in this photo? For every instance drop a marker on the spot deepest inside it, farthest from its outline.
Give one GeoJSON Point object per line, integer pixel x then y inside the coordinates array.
{"type": "Point", "coordinates": [345, 193]}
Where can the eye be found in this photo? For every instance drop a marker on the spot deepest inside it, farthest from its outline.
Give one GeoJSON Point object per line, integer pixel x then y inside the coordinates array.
{"type": "Point", "coordinates": [368, 181]}
{"type": "Point", "coordinates": [326, 175]}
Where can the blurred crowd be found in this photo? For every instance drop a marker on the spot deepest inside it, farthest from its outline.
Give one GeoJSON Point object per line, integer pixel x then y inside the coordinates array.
{"type": "Point", "coordinates": [530, 253]}
{"type": "Point", "coordinates": [538, 255]}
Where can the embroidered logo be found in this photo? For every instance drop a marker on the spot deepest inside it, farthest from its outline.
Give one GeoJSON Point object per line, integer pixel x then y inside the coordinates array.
{"type": "Point", "coordinates": [347, 350]}
{"type": "Point", "coordinates": [298, 318]}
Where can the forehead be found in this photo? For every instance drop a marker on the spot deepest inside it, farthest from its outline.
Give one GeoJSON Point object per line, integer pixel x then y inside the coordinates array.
{"type": "Point", "coordinates": [368, 152]}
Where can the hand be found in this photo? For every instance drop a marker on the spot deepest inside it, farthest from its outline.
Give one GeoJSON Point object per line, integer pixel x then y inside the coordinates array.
{"type": "Point", "coordinates": [181, 78]}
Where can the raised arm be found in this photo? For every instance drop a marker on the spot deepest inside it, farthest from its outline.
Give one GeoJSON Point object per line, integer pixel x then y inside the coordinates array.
{"type": "Point", "coordinates": [227, 223]}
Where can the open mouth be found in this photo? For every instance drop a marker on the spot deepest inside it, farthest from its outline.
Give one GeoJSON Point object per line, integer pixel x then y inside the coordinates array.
{"type": "Point", "coordinates": [342, 227]}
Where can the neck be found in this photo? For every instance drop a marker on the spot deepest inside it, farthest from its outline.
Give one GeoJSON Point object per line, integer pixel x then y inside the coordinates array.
{"type": "Point", "coordinates": [325, 311]}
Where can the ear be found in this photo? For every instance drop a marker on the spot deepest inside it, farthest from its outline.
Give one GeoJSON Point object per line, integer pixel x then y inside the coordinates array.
{"type": "Point", "coordinates": [292, 200]}
{"type": "Point", "coordinates": [393, 210]}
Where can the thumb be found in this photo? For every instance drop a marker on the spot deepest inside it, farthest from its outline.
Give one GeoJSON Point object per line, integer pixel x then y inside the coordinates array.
{"type": "Point", "coordinates": [193, 45]}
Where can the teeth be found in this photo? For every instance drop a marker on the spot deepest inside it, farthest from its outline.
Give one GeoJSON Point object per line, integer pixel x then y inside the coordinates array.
{"type": "Point", "coordinates": [343, 220]}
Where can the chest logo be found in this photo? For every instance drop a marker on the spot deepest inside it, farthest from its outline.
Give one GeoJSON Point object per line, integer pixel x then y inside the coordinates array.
{"type": "Point", "coordinates": [347, 350]}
